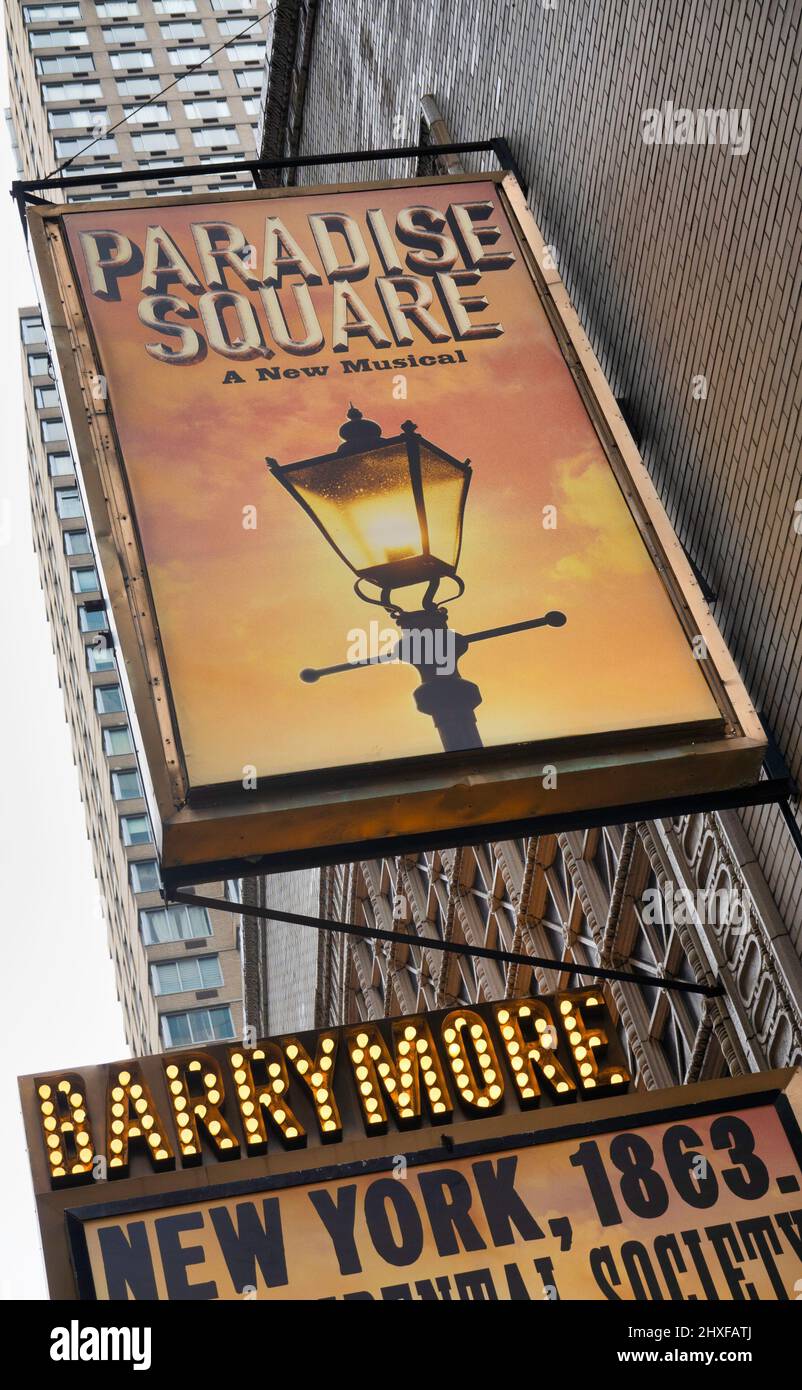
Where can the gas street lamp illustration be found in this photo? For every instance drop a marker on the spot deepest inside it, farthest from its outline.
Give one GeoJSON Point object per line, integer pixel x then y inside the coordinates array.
{"type": "Point", "coordinates": [392, 510]}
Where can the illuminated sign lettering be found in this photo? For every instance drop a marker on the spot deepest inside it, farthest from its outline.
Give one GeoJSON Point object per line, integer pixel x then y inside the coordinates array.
{"type": "Point", "coordinates": [191, 1107]}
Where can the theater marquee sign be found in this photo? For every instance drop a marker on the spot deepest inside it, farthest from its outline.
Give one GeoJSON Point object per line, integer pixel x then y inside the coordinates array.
{"type": "Point", "coordinates": [368, 514]}
{"type": "Point", "coordinates": [497, 1152]}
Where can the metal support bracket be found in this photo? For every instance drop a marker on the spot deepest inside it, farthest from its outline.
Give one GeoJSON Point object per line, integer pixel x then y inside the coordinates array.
{"type": "Point", "coordinates": [25, 191]}
{"type": "Point", "coordinates": [298, 919]}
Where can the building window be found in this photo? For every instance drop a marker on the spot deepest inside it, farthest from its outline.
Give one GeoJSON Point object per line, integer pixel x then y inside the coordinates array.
{"type": "Point", "coordinates": [68, 502]}
{"type": "Point", "coordinates": [178, 29]}
{"type": "Point", "coordinates": [46, 397]}
{"type": "Point", "coordinates": [138, 86]}
{"type": "Point", "coordinates": [33, 331]}
{"type": "Point", "coordinates": [117, 740]}
{"type": "Point", "coordinates": [125, 33]}
{"type": "Point", "coordinates": [155, 141]}
{"type": "Point", "coordinates": [249, 79]}
{"type": "Point", "coordinates": [107, 169]}
{"type": "Point", "coordinates": [252, 105]}
{"type": "Point", "coordinates": [233, 4]}
{"type": "Point", "coordinates": [145, 876]}
{"type": "Point", "coordinates": [246, 52]}
{"type": "Point", "coordinates": [81, 144]}
{"type": "Point", "coordinates": [92, 619]}
{"type": "Point", "coordinates": [175, 6]}
{"type": "Point", "coordinates": [155, 111]}
{"type": "Point", "coordinates": [57, 38]}
{"type": "Point", "coordinates": [109, 699]}
{"type": "Point", "coordinates": [126, 786]}
{"type": "Point", "coordinates": [84, 581]}
{"type": "Point", "coordinates": [58, 464]}
{"type": "Point", "coordinates": [180, 57]}
{"type": "Point", "coordinates": [207, 110]}
{"type": "Point", "coordinates": [136, 830]}
{"type": "Point", "coordinates": [179, 922]}
{"type": "Point", "coordinates": [39, 14]}
{"type": "Point", "coordinates": [94, 197]}
{"type": "Point", "coordinates": [196, 1026]}
{"type": "Point", "coordinates": [199, 82]}
{"type": "Point", "coordinates": [102, 659]}
{"type": "Point", "coordinates": [38, 364]}
{"type": "Point", "coordinates": [117, 9]}
{"type": "Point", "coordinates": [177, 976]}
{"type": "Point", "coordinates": [72, 91]}
{"type": "Point", "coordinates": [53, 430]}
{"type": "Point", "coordinates": [77, 542]}
{"type": "Point", "coordinates": [232, 27]}
{"type": "Point", "coordinates": [75, 116]}
{"type": "Point", "coordinates": [131, 62]}
{"type": "Point", "coordinates": [67, 63]}
{"type": "Point", "coordinates": [216, 135]}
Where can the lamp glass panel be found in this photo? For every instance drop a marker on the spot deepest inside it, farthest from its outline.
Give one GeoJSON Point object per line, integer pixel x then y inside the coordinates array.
{"type": "Point", "coordinates": [365, 504]}
{"type": "Point", "coordinates": [444, 487]}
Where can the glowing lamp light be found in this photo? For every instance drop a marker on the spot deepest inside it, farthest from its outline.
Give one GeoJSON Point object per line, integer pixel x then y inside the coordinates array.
{"type": "Point", "coordinates": [391, 509]}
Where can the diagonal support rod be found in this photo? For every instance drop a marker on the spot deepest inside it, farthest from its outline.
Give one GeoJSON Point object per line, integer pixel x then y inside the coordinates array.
{"type": "Point", "coordinates": [297, 919]}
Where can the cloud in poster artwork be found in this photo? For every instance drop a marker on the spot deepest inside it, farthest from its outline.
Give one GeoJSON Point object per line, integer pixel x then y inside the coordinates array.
{"type": "Point", "coordinates": [591, 508]}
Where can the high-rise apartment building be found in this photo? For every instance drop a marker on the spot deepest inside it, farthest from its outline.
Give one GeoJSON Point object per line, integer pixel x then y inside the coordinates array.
{"type": "Point", "coordinates": [677, 258]}
{"type": "Point", "coordinates": [178, 969]}
{"type": "Point", "coordinates": [134, 84]}
{"type": "Point", "coordinates": [83, 77]}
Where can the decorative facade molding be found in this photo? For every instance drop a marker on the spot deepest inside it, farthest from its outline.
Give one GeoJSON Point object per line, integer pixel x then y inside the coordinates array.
{"type": "Point", "coordinates": [598, 897]}
{"type": "Point", "coordinates": [757, 962]}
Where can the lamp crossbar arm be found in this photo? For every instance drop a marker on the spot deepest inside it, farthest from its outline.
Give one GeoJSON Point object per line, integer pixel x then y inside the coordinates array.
{"type": "Point", "coordinates": [310, 674]}
{"type": "Point", "coordinates": [552, 619]}
{"type": "Point", "coordinates": [298, 919]}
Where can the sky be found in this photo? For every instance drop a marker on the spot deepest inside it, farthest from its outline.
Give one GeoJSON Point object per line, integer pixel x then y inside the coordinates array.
{"type": "Point", "coordinates": [55, 955]}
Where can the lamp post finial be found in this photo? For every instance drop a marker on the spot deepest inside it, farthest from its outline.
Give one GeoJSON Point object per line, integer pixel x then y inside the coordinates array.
{"type": "Point", "coordinates": [358, 434]}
